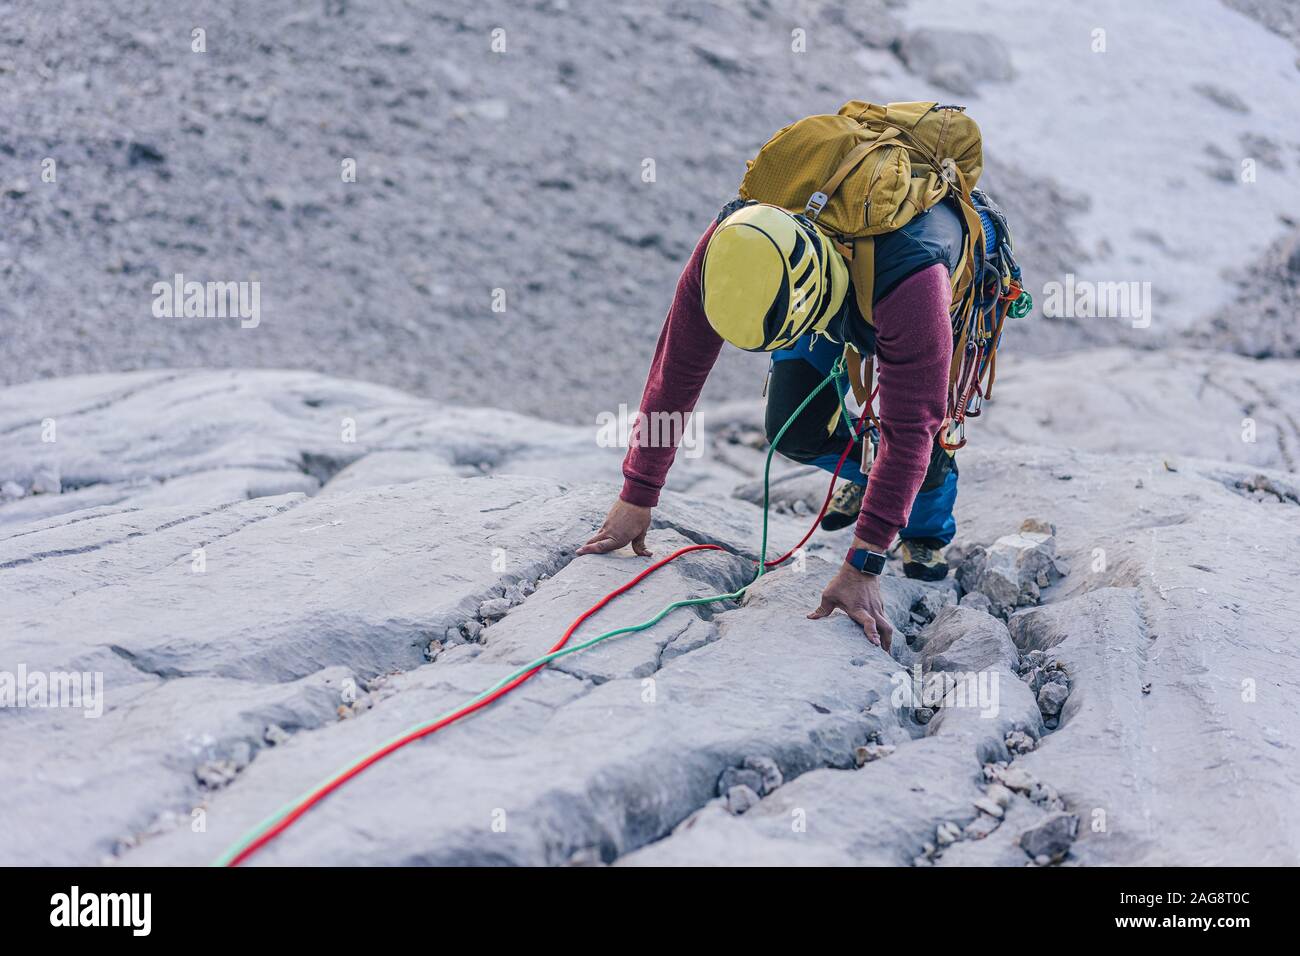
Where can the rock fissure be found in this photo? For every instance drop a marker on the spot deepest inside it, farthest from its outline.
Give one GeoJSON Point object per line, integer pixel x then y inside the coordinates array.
{"type": "Point", "coordinates": [107, 402]}
{"type": "Point", "coordinates": [648, 747]}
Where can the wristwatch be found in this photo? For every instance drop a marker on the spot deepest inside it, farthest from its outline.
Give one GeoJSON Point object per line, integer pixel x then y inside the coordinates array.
{"type": "Point", "coordinates": [866, 561]}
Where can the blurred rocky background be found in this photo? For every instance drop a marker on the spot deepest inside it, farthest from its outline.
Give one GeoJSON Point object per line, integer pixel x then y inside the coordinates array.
{"type": "Point", "coordinates": [572, 160]}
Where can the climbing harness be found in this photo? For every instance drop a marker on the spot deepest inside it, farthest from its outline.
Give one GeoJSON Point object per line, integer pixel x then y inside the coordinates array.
{"type": "Point", "coordinates": [276, 824]}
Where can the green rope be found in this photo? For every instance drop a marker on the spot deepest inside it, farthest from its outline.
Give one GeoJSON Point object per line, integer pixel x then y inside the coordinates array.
{"type": "Point", "coordinates": [837, 372]}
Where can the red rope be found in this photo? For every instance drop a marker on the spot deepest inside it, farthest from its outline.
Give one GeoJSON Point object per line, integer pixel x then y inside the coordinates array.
{"type": "Point", "coordinates": [830, 492]}
{"type": "Point", "coordinates": [330, 786]}
{"type": "Point", "coordinates": [326, 789]}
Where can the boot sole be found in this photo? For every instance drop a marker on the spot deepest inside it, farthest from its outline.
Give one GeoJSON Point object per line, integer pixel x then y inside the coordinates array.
{"type": "Point", "coordinates": [834, 522]}
{"type": "Point", "coordinates": [925, 572]}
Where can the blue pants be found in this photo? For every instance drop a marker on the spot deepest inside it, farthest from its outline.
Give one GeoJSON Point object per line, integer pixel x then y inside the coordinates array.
{"type": "Point", "coordinates": [795, 372]}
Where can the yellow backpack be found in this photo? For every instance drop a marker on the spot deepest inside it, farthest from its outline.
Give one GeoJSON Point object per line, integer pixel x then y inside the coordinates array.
{"type": "Point", "coordinates": [868, 170]}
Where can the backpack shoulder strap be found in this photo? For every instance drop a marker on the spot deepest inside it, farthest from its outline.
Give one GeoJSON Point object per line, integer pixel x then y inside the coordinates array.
{"type": "Point", "coordinates": [862, 270]}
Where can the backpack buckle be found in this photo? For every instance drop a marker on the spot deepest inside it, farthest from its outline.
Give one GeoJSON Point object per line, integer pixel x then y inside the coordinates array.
{"type": "Point", "coordinates": [816, 203]}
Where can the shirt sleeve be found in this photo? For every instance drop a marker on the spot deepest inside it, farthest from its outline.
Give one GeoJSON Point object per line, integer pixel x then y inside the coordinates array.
{"type": "Point", "coordinates": [913, 355]}
{"type": "Point", "coordinates": [687, 350]}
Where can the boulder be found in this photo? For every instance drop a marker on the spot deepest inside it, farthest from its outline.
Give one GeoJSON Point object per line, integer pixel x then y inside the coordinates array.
{"type": "Point", "coordinates": [768, 771]}
{"type": "Point", "coordinates": [734, 777]}
{"type": "Point", "coordinates": [1013, 571]}
{"type": "Point", "coordinates": [959, 61]}
{"type": "Point", "coordinates": [741, 798]}
{"type": "Point", "coordinates": [1052, 838]}
{"type": "Point", "coordinates": [964, 639]}
{"type": "Point", "coordinates": [1051, 698]}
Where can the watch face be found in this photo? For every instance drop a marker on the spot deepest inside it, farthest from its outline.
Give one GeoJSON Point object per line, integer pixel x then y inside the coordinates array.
{"type": "Point", "coordinates": [868, 562]}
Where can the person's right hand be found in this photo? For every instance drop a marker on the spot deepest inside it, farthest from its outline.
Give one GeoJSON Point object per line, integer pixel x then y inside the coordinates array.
{"type": "Point", "coordinates": [858, 596]}
{"type": "Point", "coordinates": [625, 524]}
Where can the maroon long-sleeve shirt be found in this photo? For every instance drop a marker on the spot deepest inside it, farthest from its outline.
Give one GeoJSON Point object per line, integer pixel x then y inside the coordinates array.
{"type": "Point", "coordinates": [913, 352]}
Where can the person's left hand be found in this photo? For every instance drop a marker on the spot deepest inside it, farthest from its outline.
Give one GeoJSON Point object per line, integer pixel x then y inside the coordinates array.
{"type": "Point", "coordinates": [858, 596]}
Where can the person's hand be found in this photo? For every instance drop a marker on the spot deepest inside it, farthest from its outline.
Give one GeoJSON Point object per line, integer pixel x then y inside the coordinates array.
{"type": "Point", "coordinates": [858, 596]}
{"type": "Point", "coordinates": [625, 524]}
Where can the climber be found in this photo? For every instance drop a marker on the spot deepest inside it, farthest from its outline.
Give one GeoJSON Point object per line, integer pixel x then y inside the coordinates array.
{"type": "Point", "coordinates": [767, 280]}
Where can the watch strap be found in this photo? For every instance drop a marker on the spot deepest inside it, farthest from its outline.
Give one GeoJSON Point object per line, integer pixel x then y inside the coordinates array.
{"type": "Point", "coordinates": [866, 560]}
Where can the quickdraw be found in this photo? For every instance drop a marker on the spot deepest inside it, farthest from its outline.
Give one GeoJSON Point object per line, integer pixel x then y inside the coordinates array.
{"type": "Point", "coordinates": [978, 321]}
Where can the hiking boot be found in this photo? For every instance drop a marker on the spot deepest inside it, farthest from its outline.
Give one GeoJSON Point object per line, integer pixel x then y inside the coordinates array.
{"type": "Point", "coordinates": [844, 507]}
{"type": "Point", "coordinates": [923, 559]}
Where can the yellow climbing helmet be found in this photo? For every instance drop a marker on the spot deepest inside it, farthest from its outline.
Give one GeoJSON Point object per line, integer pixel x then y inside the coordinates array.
{"type": "Point", "coordinates": [769, 278]}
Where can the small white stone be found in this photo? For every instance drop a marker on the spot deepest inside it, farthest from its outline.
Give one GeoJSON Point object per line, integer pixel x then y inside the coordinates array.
{"type": "Point", "coordinates": [947, 833]}
{"type": "Point", "coordinates": [999, 795]}
{"type": "Point", "coordinates": [866, 754]}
